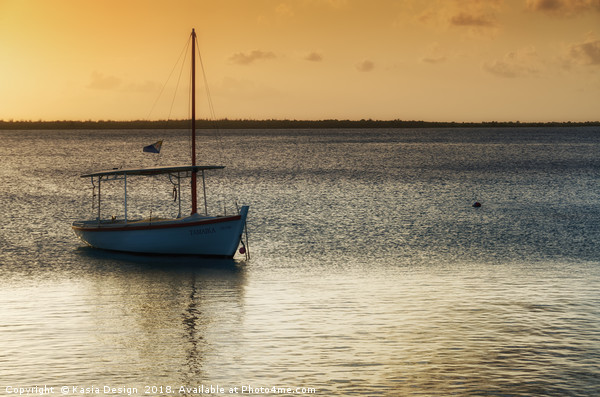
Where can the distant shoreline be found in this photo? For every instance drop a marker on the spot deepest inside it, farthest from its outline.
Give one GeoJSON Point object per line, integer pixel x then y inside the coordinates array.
{"type": "Point", "coordinates": [270, 124]}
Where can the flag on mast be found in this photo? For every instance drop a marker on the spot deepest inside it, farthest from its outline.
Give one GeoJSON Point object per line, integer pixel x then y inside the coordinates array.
{"type": "Point", "coordinates": [154, 148]}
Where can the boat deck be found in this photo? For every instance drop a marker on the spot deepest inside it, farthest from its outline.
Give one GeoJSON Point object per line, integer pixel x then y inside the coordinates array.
{"type": "Point", "coordinates": [121, 223]}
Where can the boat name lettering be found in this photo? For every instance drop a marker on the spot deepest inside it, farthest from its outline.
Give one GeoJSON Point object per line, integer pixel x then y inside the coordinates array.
{"type": "Point", "coordinates": [206, 230]}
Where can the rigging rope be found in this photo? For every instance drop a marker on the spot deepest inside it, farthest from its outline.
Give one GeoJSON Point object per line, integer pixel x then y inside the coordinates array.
{"type": "Point", "coordinates": [181, 62]}
{"type": "Point", "coordinates": [182, 53]}
{"type": "Point", "coordinates": [213, 118]}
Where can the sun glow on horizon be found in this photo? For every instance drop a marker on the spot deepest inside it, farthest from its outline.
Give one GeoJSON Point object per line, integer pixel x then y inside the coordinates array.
{"type": "Point", "coordinates": [435, 60]}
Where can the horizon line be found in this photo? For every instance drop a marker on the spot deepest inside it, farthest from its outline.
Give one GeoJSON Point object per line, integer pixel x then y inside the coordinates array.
{"type": "Point", "coordinates": [273, 123]}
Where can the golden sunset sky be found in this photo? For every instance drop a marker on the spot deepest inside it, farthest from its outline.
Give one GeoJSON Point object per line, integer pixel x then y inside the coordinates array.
{"type": "Point", "coordinates": [434, 60]}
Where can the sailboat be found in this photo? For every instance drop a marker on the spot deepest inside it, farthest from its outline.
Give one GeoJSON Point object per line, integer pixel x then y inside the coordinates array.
{"type": "Point", "coordinates": [196, 234]}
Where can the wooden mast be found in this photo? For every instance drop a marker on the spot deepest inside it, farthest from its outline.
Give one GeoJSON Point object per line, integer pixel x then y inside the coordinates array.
{"type": "Point", "coordinates": [194, 172]}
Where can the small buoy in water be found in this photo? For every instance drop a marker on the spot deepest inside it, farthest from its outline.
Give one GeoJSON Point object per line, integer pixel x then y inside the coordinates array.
{"type": "Point", "coordinates": [242, 250]}
{"type": "Point", "coordinates": [477, 204]}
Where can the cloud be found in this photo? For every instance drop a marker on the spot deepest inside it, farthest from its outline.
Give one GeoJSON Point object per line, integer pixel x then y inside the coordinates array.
{"type": "Point", "coordinates": [246, 59]}
{"type": "Point", "coordinates": [472, 20]}
{"type": "Point", "coordinates": [284, 10]}
{"type": "Point", "coordinates": [563, 8]}
{"type": "Point", "coordinates": [102, 82]}
{"type": "Point", "coordinates": [336, 4]}
{"type": "Point", "coordinates": [586, 53]}
{"type": "Point", "coordinates": [434, 55]}
{"type": "Point", "coordinates": [112, 83]}
{"type": "Point", "coordinates": [473, 14]}
{"type": "Point", "coordinates": [433, 59]}
{"type": "Point", "coordinates": [521, 63]}
{"type": "Point", "coordinates": [502, 68]}
{"type": "Point", "coordinates": [314, 57]}
{"type": "Point", "coordinates": [365, 66]}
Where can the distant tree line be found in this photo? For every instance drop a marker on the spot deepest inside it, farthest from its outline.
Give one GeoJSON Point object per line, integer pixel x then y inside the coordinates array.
{"type": "Point", "coordinates": [266, 124]}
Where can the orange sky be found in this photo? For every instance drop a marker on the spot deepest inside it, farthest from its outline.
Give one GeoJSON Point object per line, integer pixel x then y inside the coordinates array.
{"type": "Point", "coordinates": [436, 60]}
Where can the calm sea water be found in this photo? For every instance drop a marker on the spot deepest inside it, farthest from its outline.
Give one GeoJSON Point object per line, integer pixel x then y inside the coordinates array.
{"type": "Point", "coordinates": [371, 273]}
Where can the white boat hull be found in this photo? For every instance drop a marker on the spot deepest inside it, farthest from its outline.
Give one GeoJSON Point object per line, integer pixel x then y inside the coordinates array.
{"type": "Point", "coordinates": [207, 236]}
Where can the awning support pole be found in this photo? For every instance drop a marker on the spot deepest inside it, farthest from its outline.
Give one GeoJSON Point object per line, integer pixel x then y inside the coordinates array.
{"type": "Point", "coordinates": [204, 187]}
{"type": "Point", "coordinates": [99, 196]}
{"type": "Point", "coordinates": [125, 201]}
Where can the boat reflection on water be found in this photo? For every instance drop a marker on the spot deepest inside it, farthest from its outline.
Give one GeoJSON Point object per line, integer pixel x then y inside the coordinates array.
{"type": "Point", "coordinates": [166, 262]}
{"type": "Point", "coordinates": [176, 308]}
